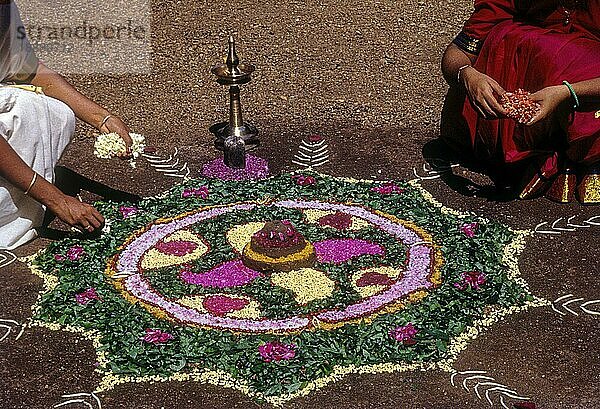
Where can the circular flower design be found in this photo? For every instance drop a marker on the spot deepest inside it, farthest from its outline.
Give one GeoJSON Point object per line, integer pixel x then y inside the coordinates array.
{"type": "Point", "coordinates": [395, 281]}
{"type": "Point", "coordinates": [420, 270]}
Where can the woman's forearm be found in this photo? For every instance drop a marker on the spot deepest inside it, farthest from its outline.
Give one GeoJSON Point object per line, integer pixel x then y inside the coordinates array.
{"type": "Point", "coordinates": [588, 91]}
{"type": "Point", "coordinates": [19, 174]}
{"type": "Point", "coordinates": [454, 58]}
{"type": "Point", "coordinates": [55, 86]}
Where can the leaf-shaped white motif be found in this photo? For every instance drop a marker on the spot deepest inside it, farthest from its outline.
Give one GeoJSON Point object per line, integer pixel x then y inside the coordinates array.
{"type": "Point", "coordinates": [311, 154]}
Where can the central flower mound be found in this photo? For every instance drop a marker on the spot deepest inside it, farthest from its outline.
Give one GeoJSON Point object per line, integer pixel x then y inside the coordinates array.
{"type": "Point", "coordinates": [278, 246]}
{"type": "Point", "coordinates": [276, 287]}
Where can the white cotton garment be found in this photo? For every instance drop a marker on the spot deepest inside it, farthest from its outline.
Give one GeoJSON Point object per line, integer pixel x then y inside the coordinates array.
{"type": "Point", "coordinates": [17, 58]}
{"type": "Point", "coordinates": [38, 128]}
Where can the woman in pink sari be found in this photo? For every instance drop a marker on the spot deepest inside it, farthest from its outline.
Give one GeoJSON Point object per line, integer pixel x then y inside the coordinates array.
{"type": "Point", "coordinates": [548, 47]}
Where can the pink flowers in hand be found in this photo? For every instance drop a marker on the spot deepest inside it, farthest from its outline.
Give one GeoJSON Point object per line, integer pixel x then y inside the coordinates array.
{"type": "Point", "coordinates": [87, 296]}
{"type": "Point", "coordinates": [470, 229]}
{"type": "Point", "coordinates": [520, 106]}
{"type": "Point", "coordinates": [405, 334]}
{"type": "Point", "coordinates": [156, 336]}
{"type": "Point", "coordinates": [473, 279]}
{"type": "Point", "coordinates": [302, 180]}
{"type": "Point", "coordinates": [73, 254]}
{"type": "Point", "coordinates": [276, 351]}
{"type": "Point", "coordinates": [201, 191]}
{"type": "Point", "coordinates": [387, 189]}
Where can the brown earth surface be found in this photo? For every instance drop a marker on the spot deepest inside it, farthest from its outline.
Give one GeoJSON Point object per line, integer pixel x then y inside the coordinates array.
{"type": "Point", "coordinates": [363, 74]}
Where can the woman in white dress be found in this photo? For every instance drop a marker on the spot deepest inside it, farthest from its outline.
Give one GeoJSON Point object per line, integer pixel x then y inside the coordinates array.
{"type": "Point", "coordinates": [35, 128]}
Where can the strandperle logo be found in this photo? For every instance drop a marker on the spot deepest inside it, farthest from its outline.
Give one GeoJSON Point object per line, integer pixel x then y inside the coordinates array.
{"type": "Point", "coordinates": [88, 37]}
{"type": "Point", "coordinates": [84, 31]}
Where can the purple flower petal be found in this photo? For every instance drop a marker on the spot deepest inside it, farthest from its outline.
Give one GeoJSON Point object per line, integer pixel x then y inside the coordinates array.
{"type": "Point", "coordinates": [256, 168]}
{"type": "Point", "coordinates": [338, 251]}
{"type": "Point", "coordinates": [128, 211]}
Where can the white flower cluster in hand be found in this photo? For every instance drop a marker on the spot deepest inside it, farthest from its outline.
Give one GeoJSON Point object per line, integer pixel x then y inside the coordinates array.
{"type": "Point", "coordinates": [110, 145]}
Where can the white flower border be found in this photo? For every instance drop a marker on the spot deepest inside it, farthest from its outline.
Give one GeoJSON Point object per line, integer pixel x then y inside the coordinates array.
{"type": "Point", "coordinates": [221, 378]}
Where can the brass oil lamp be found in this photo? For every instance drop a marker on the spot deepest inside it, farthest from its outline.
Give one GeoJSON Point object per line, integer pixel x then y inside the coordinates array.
{"type": "Point", "coordinates": [234, 137]}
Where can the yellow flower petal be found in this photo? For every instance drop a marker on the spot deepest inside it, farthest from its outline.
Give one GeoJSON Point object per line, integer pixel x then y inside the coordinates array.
{"type": "Point", "coordinates": [307, 284]}
{"type": "Point", "coordinates": [155, 259]}
{"type": "Point", "coordinates": [239, 236]}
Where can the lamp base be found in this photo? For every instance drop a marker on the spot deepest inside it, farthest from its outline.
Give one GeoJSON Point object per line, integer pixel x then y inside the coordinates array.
{"type": "Point", "coordinates": [247, 132]}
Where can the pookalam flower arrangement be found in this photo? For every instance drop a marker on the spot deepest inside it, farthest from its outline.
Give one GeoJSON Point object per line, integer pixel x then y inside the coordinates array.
{"type": "Point", "coordinates": [397, 282]}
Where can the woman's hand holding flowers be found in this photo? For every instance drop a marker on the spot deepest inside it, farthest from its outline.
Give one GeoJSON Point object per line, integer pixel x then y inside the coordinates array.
{"type": "Point", "coordinates": [483, 91]}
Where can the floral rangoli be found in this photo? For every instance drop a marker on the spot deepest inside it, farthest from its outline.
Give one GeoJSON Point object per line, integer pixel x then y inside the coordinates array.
{"type": "Point", "coordinates": [396, 282]}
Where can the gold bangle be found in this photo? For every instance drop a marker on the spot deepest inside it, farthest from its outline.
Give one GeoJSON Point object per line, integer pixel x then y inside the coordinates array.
{"type": "Point", "coordinates": [33, 179]}
{"type": "Point", "coordinates": [105, 120]}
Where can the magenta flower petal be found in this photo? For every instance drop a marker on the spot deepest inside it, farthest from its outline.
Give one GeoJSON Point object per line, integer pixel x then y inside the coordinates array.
{"type": "Point", "coordinates": [470, 229]}
{"type": "Point", "coordinates": [387, 189]}
{"type": "Point", "coordinates": [303, 180]}
{"type": "Point", "coordinates": [473, 279]}
{"type": "Point", "coordinates": [75, 253]}
{"type": "Point", "coordinates": [128, 211]}
{"type": "Point", "coordinates": [201, 191]}
{"type": "Point", "coordinates": [156, 336]}
{"type": "Point", "coordinates": [276, 351]}
{"type": "Point", "coordinates": [230, 274]}
{"type": "Point", "coordinates": [176, 248]}
{"type": "Point", "coordinates": [338, 251]}
{"type": "Point", "coordinates": [404, 334]}
{"type": "Point", "coordinates": [87, 296]}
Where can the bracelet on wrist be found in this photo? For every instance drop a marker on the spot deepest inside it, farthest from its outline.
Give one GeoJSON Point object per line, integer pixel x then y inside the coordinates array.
{"type": "Point", "coordinates": [33, 180]}
{"type": "Point", "coordinates": [105, 120]}
{"type": "Point", "coordinates": [574, 97]}
{"type": "Point", "coordinates": [461, 70]}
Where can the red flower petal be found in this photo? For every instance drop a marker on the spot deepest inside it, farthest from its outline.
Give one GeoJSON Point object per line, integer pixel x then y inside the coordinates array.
{"type": "Point", "coordinates": [338, 220]}
{"type": "Point", "coordinates": [221, 304]}
{"type": "Point", "coordinates": [373, 278]}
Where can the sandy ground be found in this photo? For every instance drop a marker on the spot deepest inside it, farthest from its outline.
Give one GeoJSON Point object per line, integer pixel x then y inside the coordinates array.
{"type": "Point", "coordinates": [365, 75]}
